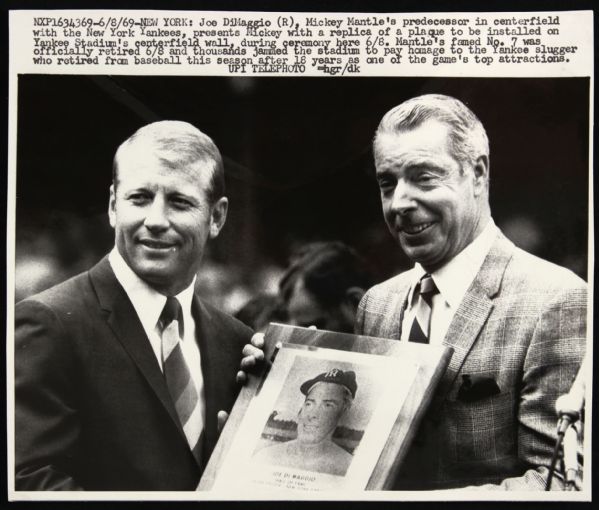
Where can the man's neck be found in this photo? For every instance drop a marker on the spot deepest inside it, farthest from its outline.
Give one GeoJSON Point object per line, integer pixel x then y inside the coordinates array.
{"type": "Point", "coordinates": [314, 448]}
{"type": "Point", "coordinates": [125, 271]}
{"type": "Point", "coordinates": [479, 228]}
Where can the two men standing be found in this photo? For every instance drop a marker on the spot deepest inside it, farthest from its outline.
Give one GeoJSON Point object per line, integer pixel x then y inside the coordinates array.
{"type": "Point", "coordinates": [94, 410]}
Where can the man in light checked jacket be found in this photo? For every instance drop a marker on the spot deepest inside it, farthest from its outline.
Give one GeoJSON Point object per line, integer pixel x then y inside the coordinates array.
{"type": "Point", "coordinates": [516, 323]}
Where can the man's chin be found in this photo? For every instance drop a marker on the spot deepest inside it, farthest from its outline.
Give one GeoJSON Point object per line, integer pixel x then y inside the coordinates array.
{"type": "Point", "coordinates": [158, 276]}
{"type": "Point", "coordinates": [421, 254]}
{"type": "Point", "coordinates": [310, 441]}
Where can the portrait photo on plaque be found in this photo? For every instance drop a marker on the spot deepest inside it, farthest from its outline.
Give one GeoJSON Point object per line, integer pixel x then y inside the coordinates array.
{"type": "Point", "coordinates": [319, 417]}
{"type": "Point", "coordinates": [319, 422]}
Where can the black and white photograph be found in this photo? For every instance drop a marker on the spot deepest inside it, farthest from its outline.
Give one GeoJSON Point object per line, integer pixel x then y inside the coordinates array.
{"type": "Point", "coordinates": [319, 423]}
{"type": "Point", "coordinates": [160, 220]}
{"type": "Point", "coordinates": [299, 171]}
{"type": "Point", "coordinates": [321, 430]}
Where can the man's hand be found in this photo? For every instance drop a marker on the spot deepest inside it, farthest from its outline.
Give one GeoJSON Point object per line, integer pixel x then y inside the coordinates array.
{"type": "Point", "coordinates": [253, 355]}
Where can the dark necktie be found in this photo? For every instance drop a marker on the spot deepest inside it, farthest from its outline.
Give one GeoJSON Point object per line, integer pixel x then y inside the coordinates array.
{"type": "Point", "coordinates": [180, 385]}
{"type": "Point", "coordinates": [421, 327]}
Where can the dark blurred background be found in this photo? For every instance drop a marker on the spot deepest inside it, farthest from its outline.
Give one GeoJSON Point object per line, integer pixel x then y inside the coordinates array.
{"type": "Point", "coordinates": [298, 165]}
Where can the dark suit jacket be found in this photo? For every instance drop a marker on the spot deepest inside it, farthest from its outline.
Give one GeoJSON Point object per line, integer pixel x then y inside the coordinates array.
{"type": "Point", "coordinates": [521, 326]}
{"type": "Point", "coordinates": [92, 408]}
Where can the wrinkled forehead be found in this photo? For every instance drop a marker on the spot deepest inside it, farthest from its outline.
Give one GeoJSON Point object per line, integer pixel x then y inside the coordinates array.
{"type": "Point", "coordinates": [139, 158]}
{"type": "Point", "coordinates": [423, 144]}
{"type": "Point", "coordinates": [176, 151]}
{"type": "Point", "coordinates": [431, 132]}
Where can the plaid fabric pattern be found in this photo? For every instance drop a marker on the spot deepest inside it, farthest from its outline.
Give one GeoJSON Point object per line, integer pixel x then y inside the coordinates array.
{"type": "Point", "coordinates": [522, 323]}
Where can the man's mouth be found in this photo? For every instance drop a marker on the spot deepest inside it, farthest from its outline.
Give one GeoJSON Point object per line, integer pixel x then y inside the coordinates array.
{"type": "Point", "coordinates": [156, 244]}
{"type": "Point", "coordinates": [416, 229]}
{"type": "Point", "coordinates": [310, 428]}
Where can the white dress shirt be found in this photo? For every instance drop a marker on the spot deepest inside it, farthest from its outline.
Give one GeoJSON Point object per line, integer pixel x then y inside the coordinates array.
{"type": "Point", "coordinates": [148, 304]}
{"type": "Point", "coordinates": [453, 281]}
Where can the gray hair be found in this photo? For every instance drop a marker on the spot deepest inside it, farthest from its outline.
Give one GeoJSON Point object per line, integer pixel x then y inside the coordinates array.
{"type": "Point", "coordinates": [468, 138]}
{"type": "Point", "coordinates": [178, 144]}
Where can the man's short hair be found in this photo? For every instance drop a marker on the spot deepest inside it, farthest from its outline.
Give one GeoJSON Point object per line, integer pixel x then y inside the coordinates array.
{"type": "Point", "coordinates": [468, 137]}
{"type": "Point", "coordinates": [178, 144]}
{"type": "Point", "coordinates": [328, 270]}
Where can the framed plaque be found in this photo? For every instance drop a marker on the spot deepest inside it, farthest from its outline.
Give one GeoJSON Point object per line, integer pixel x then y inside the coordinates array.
{"type": "Point", "coordinates": [333, 412]}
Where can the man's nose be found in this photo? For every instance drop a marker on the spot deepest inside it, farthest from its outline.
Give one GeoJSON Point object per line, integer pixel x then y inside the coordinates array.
{"type": "Point", "coordinates": [157, 215]}
{"type": "Point", "coordinates": [403, 198]}
{"type": "Point", "coordinates": [312, 414]}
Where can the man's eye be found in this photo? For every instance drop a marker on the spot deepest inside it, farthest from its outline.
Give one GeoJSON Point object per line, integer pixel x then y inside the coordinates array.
{"type": "Point", "coordinates": [181, 203]}
{"type": "Point", "coordinates": [386, 185]}
{"type": "Point", "coordinates": [139, 198]}
{"type": "Point", "coordinates": [424, 178]}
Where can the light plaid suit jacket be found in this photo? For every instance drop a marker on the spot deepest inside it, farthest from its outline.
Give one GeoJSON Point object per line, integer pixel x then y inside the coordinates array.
{"type": "Point", "coordinates": [523, 323]}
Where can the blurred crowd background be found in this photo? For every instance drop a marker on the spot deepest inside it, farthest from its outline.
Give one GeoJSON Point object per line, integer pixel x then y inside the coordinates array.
{"type": "Point", "coordinates": [298, 165]}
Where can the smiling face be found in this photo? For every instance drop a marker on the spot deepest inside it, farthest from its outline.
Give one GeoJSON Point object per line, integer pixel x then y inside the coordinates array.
{"type": "Point", "coordinates": [162, 217]}
{"type": "Point", "coordinates": [322, 409]}
{"type": "Point", "coordinates": [433, 204]}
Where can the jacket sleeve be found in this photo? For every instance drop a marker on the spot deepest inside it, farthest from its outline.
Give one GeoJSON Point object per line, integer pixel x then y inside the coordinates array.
{"type": "Point", "coordinates": [554, 356]}
{"type": "Point", "coordinates": [360, 315]}
{"type": "Point", "coordinates": [47, 426]}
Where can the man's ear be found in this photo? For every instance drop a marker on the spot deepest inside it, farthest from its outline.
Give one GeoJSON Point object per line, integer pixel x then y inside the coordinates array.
{"type": "Point", "coordinates": [218, 216]}
{"type": "Point", "coordinates": [480, 170]}
{"type": "Point", "coordinates": [346, 406]}
{"type": "Point", "coordinates": [112, 206]}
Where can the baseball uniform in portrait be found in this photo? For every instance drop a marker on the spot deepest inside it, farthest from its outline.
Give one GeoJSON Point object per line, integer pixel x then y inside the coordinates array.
{"type": "Point", "coordinates": [93, 410]}
{"type": "Point", "coordinates": [518, 336]}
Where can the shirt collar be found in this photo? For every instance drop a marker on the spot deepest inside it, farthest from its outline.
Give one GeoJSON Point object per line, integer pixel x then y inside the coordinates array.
{"type": "Point", "coordinates": [148, 303]}
{"type": "Point", "coordinates": [455, 277]}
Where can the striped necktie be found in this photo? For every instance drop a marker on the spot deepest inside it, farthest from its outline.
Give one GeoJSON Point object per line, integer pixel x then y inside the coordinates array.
{"type": "Point", "coordinates": [178, 377]}
{"type": "Point", "coordinates": [421, 326]}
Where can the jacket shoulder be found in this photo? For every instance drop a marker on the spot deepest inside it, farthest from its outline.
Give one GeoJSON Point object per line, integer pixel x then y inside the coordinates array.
{"type": "Point", "coordinates": [537, 274]}
{"type": "Point", "coordinates": [62, 298]}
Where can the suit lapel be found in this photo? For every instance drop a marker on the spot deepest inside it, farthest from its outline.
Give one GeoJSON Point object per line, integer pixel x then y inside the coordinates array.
{"type": "Point", "coordinates": [127, 327]}
{"type": "Point", "coordinates": [398, 303]}
{"type": "Point", "coordinates": [474, 309]}
{"type": "Point", "coordinates": [210, 353]}
{"type": "Point", "coordinates": [401, 305]}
